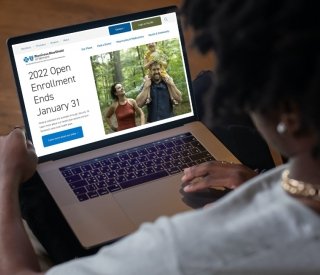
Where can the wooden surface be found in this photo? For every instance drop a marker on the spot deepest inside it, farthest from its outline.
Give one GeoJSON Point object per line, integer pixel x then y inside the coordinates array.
{"type": "Point", "coordinates": [25, 16]}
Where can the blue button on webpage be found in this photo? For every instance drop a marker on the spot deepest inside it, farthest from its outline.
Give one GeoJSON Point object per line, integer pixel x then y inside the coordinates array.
{"type": "Point", "coordinates": [62, 136]}
{"type": "Point", "coordinates": [125, 27]}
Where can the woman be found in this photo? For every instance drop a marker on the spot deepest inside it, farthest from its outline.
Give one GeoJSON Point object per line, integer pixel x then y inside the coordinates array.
{"type": "Point", "coordinates": [125, 110]}
{"type": "Point", "coordinates": [269, 66]}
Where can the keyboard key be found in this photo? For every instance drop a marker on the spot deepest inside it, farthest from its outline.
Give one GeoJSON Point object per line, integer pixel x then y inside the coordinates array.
{"type": "Point", "coordinates": [188, 139]}
{"type": "Point", "coordinates": [91, 180]}
{"type": "Point", "coordinates": [110, 181]}
{"type": "Point", "coordinates": [101, 184]}
{"type": "Point", "coordinates": [169, 144]}
{"type": "Point", "coordinates": [178, 148]}
{"type": "Point", "coordinates": [160, 154]}
{"type": "Point", "coordinates": [169, 151]}
{"type": "Point", "coordinates": [76, 170]}
{"type": "Point", "coordinates": [200, 156]}
{"type": "Point", "coordinates": [148, 170]}
{"type": "Point", "coordinates": [177, 141]}
{"type": "Point", "coordinates": [133, 161]}
{"type": "Point", "coordinates": [111, 174]}
{"type": "Point", "coordinates": [95, 172]}
{"type": "Point", "coordinates": [96, 164]}
{"type": "Point", "coordinates": [77, 184]}
{"type": "Point", "coordinates": [73, 178]}
{"type": "Point", "coordinates": [139, 166]}
{"type": "Point", "coordinates": [151, 149]}
{"type": "Point", "coordinates": [119, 179]}
{"type": "Point", "coordinates": [105, 162]}
{"type": "Point", "coordinates": [186, 160]}
{"type": "Point", "coordinates": [91, 187]}
{"type": "Point", "coordinates": [114, 188]}
{"type": "Point", "coordinates": [152, 156]}
{"type": "Point", "coordinates": [160, 147]}
{"type": "Point", "coordinates": [142, 158]}
{"type": "Point", "coordinates": [177, 162]}
{"type": "Point", "coordinates": [158, 161]}
{"type": "Point", "coordinates": [102, 191]}
{"type": "Point", "coordinates": [115, 160]}
{"type": "Point", "coordinates": [124, 157]}
{"type": "Point", "coordinates": [83, 197]}
{"type": "Point", "coordinates": [148, 163]}
{"type": "Point", "coordinates": [133, 154]}
{"type": "Point", "coordinates": [167, 158]}
{"type": "Point", "coordinates": [79, 191]}
{"type": "Point", "coordinates": [167, 165]}
{"type": "Point", "coordinates": [199, 146]}
{"type": "Point", "coordinates": [130, 169]}
{"type": "Point", "coordinates": [93, 194]}
{"type": "Point", "coordinates": [124, 164]}
{"type": "Point", "coordinates": [121, 172]}
{"type": "Point", "coordinates": [101, 177]}
{"type": "Point", "coordinates": [142, 152]}
{"type": "Point", "coordinates": [86, 168]}
{"type": "Point", "coordinates": [158, 168]}
{"type": "Point", "coordinates": [114, 166]}
{"type": "Point", "coordinates": [105, 169]}
{"type": "Point", "coordinates": [140, 173]}
{"type": "Point", "coordinates": [85, 175]}
{"type": "Point", "coordinates": [173, 170]}
{"type": "Point", "coordinates": [195, 151]}
{"type": "Point", "coordinates": [176, 156]}
{"type": "Point", "coordinates": [66, 173]}
{"type": "Point", "coordinates": [131, 176]}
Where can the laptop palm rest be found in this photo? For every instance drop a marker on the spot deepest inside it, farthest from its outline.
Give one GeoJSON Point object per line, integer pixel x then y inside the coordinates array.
{"type": "Point", "coordinates": [151, 200]}
{"type": "Point", "coordinates": [96, 227]}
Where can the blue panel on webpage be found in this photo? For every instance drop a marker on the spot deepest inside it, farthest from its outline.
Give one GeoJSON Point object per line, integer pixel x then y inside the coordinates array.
{"type": "Point", "coordinates": [62, 136]}
{"type": "Point", "coordinates": [125, 27]}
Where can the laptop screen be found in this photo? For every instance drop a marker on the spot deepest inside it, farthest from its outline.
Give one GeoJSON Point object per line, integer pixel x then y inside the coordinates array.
{"type": "Point", "coordinates": [65, 76]}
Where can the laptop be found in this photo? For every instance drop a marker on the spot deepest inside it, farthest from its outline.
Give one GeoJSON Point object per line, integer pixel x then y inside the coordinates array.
{"type": "Point", "coordinates": [108, 183]}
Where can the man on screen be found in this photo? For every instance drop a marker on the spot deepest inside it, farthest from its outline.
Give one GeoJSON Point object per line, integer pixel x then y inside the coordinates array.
{"type": "Point", "coordinates": [159, 89]}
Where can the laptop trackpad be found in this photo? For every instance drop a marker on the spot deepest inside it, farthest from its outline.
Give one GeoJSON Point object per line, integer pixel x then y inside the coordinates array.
{"type": "Point", "coordinates": [152, 200]}
{"type": "Point", "coordinates": [98, 221]}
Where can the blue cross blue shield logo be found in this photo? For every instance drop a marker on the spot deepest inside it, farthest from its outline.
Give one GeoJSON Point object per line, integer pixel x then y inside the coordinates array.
{"type": "Point", "coordinates": [28, 59]}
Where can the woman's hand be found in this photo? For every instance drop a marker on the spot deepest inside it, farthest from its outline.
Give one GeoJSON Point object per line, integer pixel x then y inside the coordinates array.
{"type": "Point", "coordinates": [18, 159]}
{"type": "Point", "coordinates": [215, 174]}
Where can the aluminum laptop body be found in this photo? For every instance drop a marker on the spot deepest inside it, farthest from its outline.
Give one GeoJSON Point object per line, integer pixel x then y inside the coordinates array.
{"type": "Point", "coordinates": [63, 78]}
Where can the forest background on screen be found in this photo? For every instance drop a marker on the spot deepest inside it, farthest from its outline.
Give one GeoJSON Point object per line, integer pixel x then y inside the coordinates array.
{"type": "Point", "coordinates": [127, 67]}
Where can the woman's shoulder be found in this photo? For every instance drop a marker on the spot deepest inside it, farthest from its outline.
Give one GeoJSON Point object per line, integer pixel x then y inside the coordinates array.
{"type": "Point", "coordinates": [114, 104]}
{"type": "Point", "coordinates": [132, 101]}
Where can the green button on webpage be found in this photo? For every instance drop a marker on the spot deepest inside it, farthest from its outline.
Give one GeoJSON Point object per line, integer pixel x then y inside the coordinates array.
{"type": "Point", "coordinates": [146, 23]}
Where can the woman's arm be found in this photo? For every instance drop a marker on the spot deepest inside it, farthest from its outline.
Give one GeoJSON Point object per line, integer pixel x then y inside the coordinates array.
{"type": "Point", "coordinates": [17, 164]}
{"type": "Point", "coordinates": [138, 111]}
{"type": "Point", "coordinates": [108, 116]}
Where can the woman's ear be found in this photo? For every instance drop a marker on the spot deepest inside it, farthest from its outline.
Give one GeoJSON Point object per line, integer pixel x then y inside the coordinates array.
{"type": "Point", "coordinates": [289, 120]}
{"type": "Point", "coordinates": [289, 123]}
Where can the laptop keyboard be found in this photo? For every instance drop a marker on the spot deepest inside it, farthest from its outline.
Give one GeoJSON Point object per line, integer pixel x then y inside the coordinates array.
{"type": "Point", "coordinates": [127, 168]}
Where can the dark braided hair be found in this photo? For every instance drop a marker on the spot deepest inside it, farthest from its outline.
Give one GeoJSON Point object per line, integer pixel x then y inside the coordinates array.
{"type": "Point", "coordinates": [268, 54]}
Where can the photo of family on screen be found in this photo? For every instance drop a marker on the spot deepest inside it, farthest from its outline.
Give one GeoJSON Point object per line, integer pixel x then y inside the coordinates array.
{"type": "Point", "coordinates": [141, 84]}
